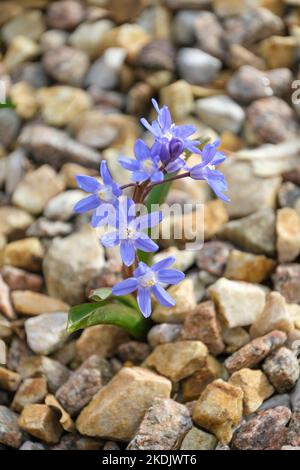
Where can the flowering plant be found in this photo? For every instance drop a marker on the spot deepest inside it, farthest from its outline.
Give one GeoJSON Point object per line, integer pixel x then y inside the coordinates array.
{"type": "Point", "coordinates": [129, 302]}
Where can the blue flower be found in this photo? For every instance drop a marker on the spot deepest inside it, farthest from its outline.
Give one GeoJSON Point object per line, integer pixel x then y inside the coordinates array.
{"type": "Point", "coordinates": [107, 193]}
{"type": "Point", "coordinates": [129, 231]}
{"type": "Point", "coordinates": [206, 170]}
{"type": "Point", "coordinates": [147, 163]}
{"type": "Point", "coordinates": [164, 130]}
{"type": "Point", "coordinates": [148, 281]}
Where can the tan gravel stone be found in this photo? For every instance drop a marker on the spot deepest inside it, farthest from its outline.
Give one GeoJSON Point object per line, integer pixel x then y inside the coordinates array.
{"type": "Point", "coordinates": [184, 295]}
{"type": "Point", "coordinates": [32, 390]}
{"type": "Point", "coordinates": [14, 222]}
{"type": "Point", "coordinates": [9, 380]}
{"type": "Point", "coordinates": [102, 340]}
{"type": "Point", "coordinates": [274, 316]}
{"type": "Point", "coordinates": [41, 422]}
{"type": "Point", "coordinates": [288, 234]}
{"type": "Point", "coordinates": [247, 267]}
{"type": "Point", "coordinates": [26, 253]}
{"type": "Point", "coordinates": [34, 303]}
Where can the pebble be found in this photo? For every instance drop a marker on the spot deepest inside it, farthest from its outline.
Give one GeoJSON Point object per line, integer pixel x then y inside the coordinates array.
{"type": "Point", "coordinates": [29, 24]}
{"type": "Point", "coordinates": [177, 360]}
{"type": "Point", "coordinates": [238, 303]}
{"type": "Point", "coordinates": [29, 445]}
{"type": "Point", "coordinates": [20, 50]}
{"type": "Point", "coordinates": [158, 54]}
{"type": "Point", "coordinates": [196, 66]}
{"type": "Point", "coordinates": [212, 43]}
{"type": "Point", "coordinates": [23, 95]}
{"type": "Point", "coordinates": [286, 281]}
{"type": "Point", "coordinates": [202, 324]}
{"type": "Point", "coordinates": [37, 188]}
{"type": "Point", "coordinates": [293, 437]}
{"type": "Point", "coordinates": [288, 234]}
{"type": "Point", "coordinates": [235, 338]}
{"type": "Point", "coordinates": [254, 352]}
{"type": "Point", "coordinates": [221, 113]}
{"type": "Point", "coordinates": [66, 65]}
{"type": "Point", "coordinates": [183, 27]}
{"type": "Point", "coordinates": [18, 351]}
{"type": "Point", "coordinates": [10, 433]}
{"type": "Point", "coordinates": [9, 380]}
{"type": "Point", "coordinates": [66, 14]}
{"type": "Point", "coordinates": [83, 384]}
{"type": "Point", "coordinates": [46, 332]}
{"type": "Point", "coordinates": [184, 295]}
{"type": "Point", "coordinates": [274, 316]}
{"type": "Point", "coordinates": [5, 301]}
{"type": "Point", "coordinates": [55, 373]}
{"type": "Point", "coordinates": [288, 193]}
{"type": "Point", "coordinates": [179, 98]}
{"type": "Point", "coordinates": [219, 409]}
{"type": "Point", "coordinates": [53, 39]}
{"type": "Point", "coordinates": [282, 369]}
{"type": "Point", "coordinates": [249, 84]}
{"type": "Point", "coordinates": [265, 431]}
{"type": "Point", "coordinates": [41, 422]}
{"type": "Point", "coordinates": [104, 74]}
{"type": "Point", "coordinates": [32, 390]}
{"type": "Point", "coordinates": [45, 228]}
{"type": "Point", "coordinates": [163, 333]}
{"type": "Point", "coordinates": [247, 267]}
{"type": "Point", "coordinates": [133, 351]}
{"type": "Point", "coordinates": [163, 426]}
{"type": "Point", "coordinates": [32, 73]}
{"type": "Point", "coordinates": [278, 51]}
{"type": "Point", "coordinates": [238, 56]}
{"type": "Point", "coordinates": [196, 439]}
{"type": "Point", "coordinates": [9, 126]}
{"type": "Point", "coordinates": [213, 257]}
{"type": "Point", "coordinates": [117, 410]}
{"type": "Point", "coordinates": [88, 37]}
{"type": "Point", "coordinates": [255, 386]}
{"type": "Point", "coordinates": [26, 253]}
{"type": "Point", "coordinates": [27, 302]}
{"type": "Point", "coordinates": [61, 207]}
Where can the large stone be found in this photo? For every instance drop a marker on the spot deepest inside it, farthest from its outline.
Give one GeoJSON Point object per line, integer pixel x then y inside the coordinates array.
{"type": "Point", "coordinates": [239, 303]}
{"type": "Point", "coordinates": [102, 340]}
{"type": "Point", "coordinates": [10, 433]}
{"type": "Point", "coordinates": [46, 332]}
{"type": "Point", "coordinates": [282, 369]}
{"type": "Point", "coordinates": [30, 24]}
{"type": "Point", "coordinates": [41, 422]}
{"type": "Point", "coordinates": [163, 427]}
{"type": "Point", "coordinates": [221, 113]}
{"type": "Point", "coordinates": [76, 267]}
{"type": "Point", "coordinates": [32, 390]}
{"type": "Point", "coordinates": [274, 316]}
{"type": "Point", "coordinates": [66, 14]}
{"type": "Point", "coordinates": [255, 386]}
{"type": "Point", "coordinates": [118, 408]}
{"type": "Point", "coordinates": [26, 253]}
{"type": "Point", "coordinates": [196, 439]}
{"type": "Point", "coordinates": [219, 409]}
{"type": "Point", "coordinates": [37, 188]}
{"type": "Point", "coordinates": [88, 36]}
{"type": "Point", "coordinates": [184, 296]}
{"type": "Point", "coordinates": [288, 234]}
{"type": "Point", "coordinates": [196, 66]}
{"type": "Point", "coordinates": [34, 303]}
{"type": "Point", "coordinates": [20, 50]}
{"type": "Point", "coordinates": [178, 360]}
{"type": "Point", "coordinates": [247, 267]}
{"type": "Point", "coordinates": [66, 65]}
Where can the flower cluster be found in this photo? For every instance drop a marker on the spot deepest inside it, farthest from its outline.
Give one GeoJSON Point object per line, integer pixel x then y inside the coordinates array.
{"type": "Point", "coordinates": [164, 161]}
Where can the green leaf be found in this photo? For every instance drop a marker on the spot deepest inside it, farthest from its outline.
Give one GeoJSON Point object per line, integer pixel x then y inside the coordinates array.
{"type": "Point", "coordinates": [8, 104]}
{"type": "Point", "coordinates": [102, 293]}
{"type": "Point", "coordinates": [108, 313]}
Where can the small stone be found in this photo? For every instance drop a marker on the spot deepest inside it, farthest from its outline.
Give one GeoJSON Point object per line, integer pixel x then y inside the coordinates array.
{"type": "Point", "coordinates": [60, 105]}
{"type": "Point", "coordinates": [213, 257]}
{"type": "Point", "coordinates": [23, 95]}
{"type": "Point", "coordinates": [295, 396]}
{"type": "Point", "coordinates": [10, 126]}
{"type": "Point", "coordinates": [235, 338]}
{"type": "Point", "coordinates": [125, 12]}
{"type": "Point", "coordinates": [280, 80]}
{"type": "Point", "coordinates": [41, 422]}
{"type": "Point", "coordinates": [30, 25]}
{"type": "Point", "coordinates": [288, 234]}
{"type": "Point", "coordinates": [163, 426]}
{"type": "Point", "coordinates": [26, 253]}
{"type": "Point", "coordinates": [265, 431]}
{"type": "Point", "coordinates": [32, 390]}
{"type": "Point", "coordinates": [196, 439]}
{"type": "Point", "coordinates": [254, 233]}
{"type": "Point", "coordinates": [64, 261]}
{"type": "Point", "coordinates": [183, 27]}
{"type": "Point", "coordinates": [28, 445]}
{"type": "Point", "coordinates": [66, 65]}
{"type": "Point", "coordinates": [293, 437]}
{"type": "Point", "coordinates": [255, 386]}
{"type": "Point", "coordinates": [133, 351]}
{"type": "Point", "coordinates": [18, 279]}
{"type": "Point", "coordinates": [31, 73]}
{"type": "Point", "coordinates": [104, 73]}
{"type": "Point", "coordinates": [184, 295]}
{"type": "Point", "coordinates": [117, 409]}
{"type": "Point", "coordinates": [18, 351]}
{"type": "Point", "coordinates": [2, 349]}
{"type": "Point", "coordinates": [45, 228]}
{"type": "Point", "coordinates": [249, 84]}
{"type": "Point", "coordinates": [270, 120]}
{"type": "Point", "coordinates": [20, 50]}
{"type": "Point", "coordinates": [215, 216]}
{"type": "Point", "coordinates": [66, 14]}
{"type": "Point", "coordinates": [5, 301]}
{"type": "Point", "coordinates": [282, 369]}
{"type": "Point", "coordinates": [10, 433]}
{"type": "Point", "coordinates": [88, 37]}
{"type": "Point", "coordinates": [9, 380]}
{"type": "Point", "coordinates": [33, 303]}
{"type": "Point", "coordinates": [100, 339]}
{"type": "Point", "coordinates": [239, 303]}
{"type": "Point", "coordinates": [52, 39]}
{"type": "Point", "coordinates": [55, 373]}
{"type": "Point", "coordinates": [70, 170]}
{"type": "Point", "coordinates": [178, 96]}
{"type": "Point", "coordinates": [202, 324]}
{"type": "Point", "coordinates": [247, 267]}
{"type": "Point", "coordinates": [64, 418]}
{"type": "Point", "coordinates": [197, 67]}
{"type": "Point", "coordinates": [219, 409]}
{"type": "Point", "coordinates": [5, 328]}
{"type": "Point", "coordinates": [238, 56]}
{"type": "Point", "coordinates": [279, 51]}
{"type": "Point", "coordinates": [129, 37]}
{"type": "Point", "coordinates": [61, 207]}
{"type": "Point", "coordinates": [163, 333]}
{"type": "Point", "coordinates": [83, 384]}
{"type": "Point", "coordinates": [276, 400]}
{"type": "Point", "coordinates": [274, 316]}
{"type": "Point", "coordinates": [254, 352]}
{"type": "Point", "coordinates": [96, 129]}
{"type": "Point", "coordinates": [221, 113]}
{"type": "Point", "coordinates": [288, 194]}
{"type": "Point", "coordinates": [212, 43]}
{"type": "Point", "coordinates": [46, 332]}
{"type": "Point", "coordinates": [158, 54]}
{"type": "Point", "coordinates": [286, 281]}
{"type": "Point", "coordinates": [193, 386]}
{"type": "Point", "coordinates": [178, 360]}
{"type": "Point", "coordinates": [37, 188]}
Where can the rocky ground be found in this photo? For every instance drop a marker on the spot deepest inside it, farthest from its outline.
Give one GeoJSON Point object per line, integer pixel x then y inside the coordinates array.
{"type": "Point", "coordinates": [219, 370]}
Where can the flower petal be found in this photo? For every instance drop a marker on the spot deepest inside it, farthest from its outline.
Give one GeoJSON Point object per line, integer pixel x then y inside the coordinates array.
{"type": "Point", "coordinates": [170, 276]}
{"type": "Point", "coordinates": [145, 221]}
{"type": "Point", "coordinates": [87, 183]}
{"type": "Point", "coordinates": [128, 163]}
{"type": "Point", "coordinates": [141, 150]}
{"type": "Point", "coordinates": [110, 239]}
{"type": "Point", "coordinates": [105, 174]}
{"type": "Point", "coordinates": [145, 243]}
{"type": "Point", "coordinates": [87, 204]}
{"type": "Point", "coordinates": [139, 176]}
{"type": "Point", "coordinates": [144, 302]}
{"type": "Point", "coordinates": [125, 287]}
{"type": "Point", "coordinates": [157, 177]}
{"type": "Point", "coordinates": [162, 296]}
{"type": "Point", "coordinates": [141, 269]}
{"type": "Point", "coordinates": [163, 264]}
{"type": "Point", "coordinates": [127, 252]}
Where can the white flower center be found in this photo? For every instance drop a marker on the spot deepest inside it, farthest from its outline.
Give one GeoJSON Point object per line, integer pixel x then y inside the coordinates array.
{"type": "Point", "coordinates": [148, 166]}
{"type": "Point", "coordinates": [127, 233]}
{"type": "Point", "coordinates": [105, 193]}
{"type": "Point", "coordinates": [211, 167]}
{"type": "Point", "coordinates": [148, 280]}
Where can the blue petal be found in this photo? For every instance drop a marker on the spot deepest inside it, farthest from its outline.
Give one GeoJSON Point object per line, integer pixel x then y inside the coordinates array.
{"type": "Point", "coordinates": [87, 204]}
{"type": "Point", "coordinates": [139, 176]}
{"type": "Point", "coordinates": [145, 221]}
{"type": "Point", "coordinates": [147, 125]}
{"type": "Point", "coordinates": [165, 119]}
{"type": "Point", "coordinates": [170, 276]}
{"type": "Point", "coordinates": [157, 177]}
{"type": "Point", "coordinates": [110, 239]}
{"type": "Point", "coordinates": [141, 150]}
{"type": "Point", "coordinates": [98, 220]}
{"type": "Point", "coordinates": [125, 287]}
{"type": "Point", "coordinates": [129, 164]}
{"type": "Point", "coordinates": [184, 131]}
{"type": "Point", "coordinates": [87, 183]}
{"type": "Point", "coordinates": [163, 264]}
{"type": "Point", "coordinates": [105, 174]}
{"type": "Point", "coordinates": [141, 269]}
{"type": "Point", "coordinates": [162, 296]}
{"type": "Point", "coordinates": [145, 243]}
{"type": "Point", "coordinates": [155, 105]}
{"type": "Point", "coordinates": [144, 302]}
{"type": "Point", "coordinates": [127, 252]}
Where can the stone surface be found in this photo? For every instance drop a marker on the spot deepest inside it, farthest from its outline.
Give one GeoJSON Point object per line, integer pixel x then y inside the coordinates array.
{"type": "Point", "coordinates": [41, 422]}
{"type": "Point", "coordinates": [9, 380]}
{"type": "Point", "coordinates": [14, 222]}
{"type": "Point", "coordinates": [66, 65]}
{"type": "Point", "coordinates": [134, 389]}
{"type": "Point", "coordinates": [134, 352]}
{"type": "Point", "coordinates": [163, 426]}
{"type": "Point", "coordinates": [10, 433]}
{"type": "Point", "coordinates": [196, 439]}
{"type": "Point", "coordinates": [202, 324]}
{"type": "Point", "coordinates": [265, 431]}
{"type": "Point", "coordinates": [55, 373]}
{"type": "Point", "coordinates": [221, 113]}
{"type": "Point", "coordinates": [196, 66]}
{"type": "Point", "coordinates": [213, 257]}
{"type": "Point", "coordinates": [65, 14]}
{"type": "Point", "coordinates": [26, 253]}
{"type": "Point", "coordinates": [293, 437]}
{"type": "Point", "coordinates": [247, 267]}
{"type": "Point", "coordinates": [163, 333]}
{"type": "Point", "coordinates": [274, 316]}
{"type": "Point", "coordinates": [32, 390]}
{"type": "Point", "coordinates": [254, 352]}
{"type": "Point", "coordinates": [219, 409]}
{"type": "Point", "coordinates": [282, 369]}
{"type": "Point", "coordinates": [286, 281]}
{"type": "Point", "coordinates": [288, 234]}
{"type": "Point", "coordinates": [255, 386]}
{"type": "Point", "coordinates": [27, 302]}
{"type": "Point", "coordinates": [238, 303]}
{"type": "Point", "coordinates": [178, 360]}
{"type": "Point", "coordinates": [184, 295]}
{"type": "Point", "coordinates": [18, 279]}
{"type": "Point", "coordinates": [46, 332]}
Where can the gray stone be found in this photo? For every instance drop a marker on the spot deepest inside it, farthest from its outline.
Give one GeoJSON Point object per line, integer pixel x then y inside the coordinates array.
{"type": "Point", "coordinates": [163, 333]}
{"type": "Point", "coordinates": [196, 439]}
{"type": "Point", "coordinates": [46, 332]}
{"type": "Point", "coordinates": [29, 445]}
{"type": "Point", "coordinates": [10, 433]}
{"type": "Point", "coordinates": [197, 67]}
{"type": "Point", "coordinates": [221, 113]}
{"type": "Point", "coordinates": [61, 207]}
{"type": "Point", "coordinates": [282, 369]}
{"type": "Point", "coordinates": [105, 72]}
{"type": "Point", "coordinates": [55, 373]}
{"type": "Point", "coordinates": [66, 65]}
{"type": "Point", "coordinates": [10, 124]}
{"type": "Point", "coordinates": [276, 400]}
